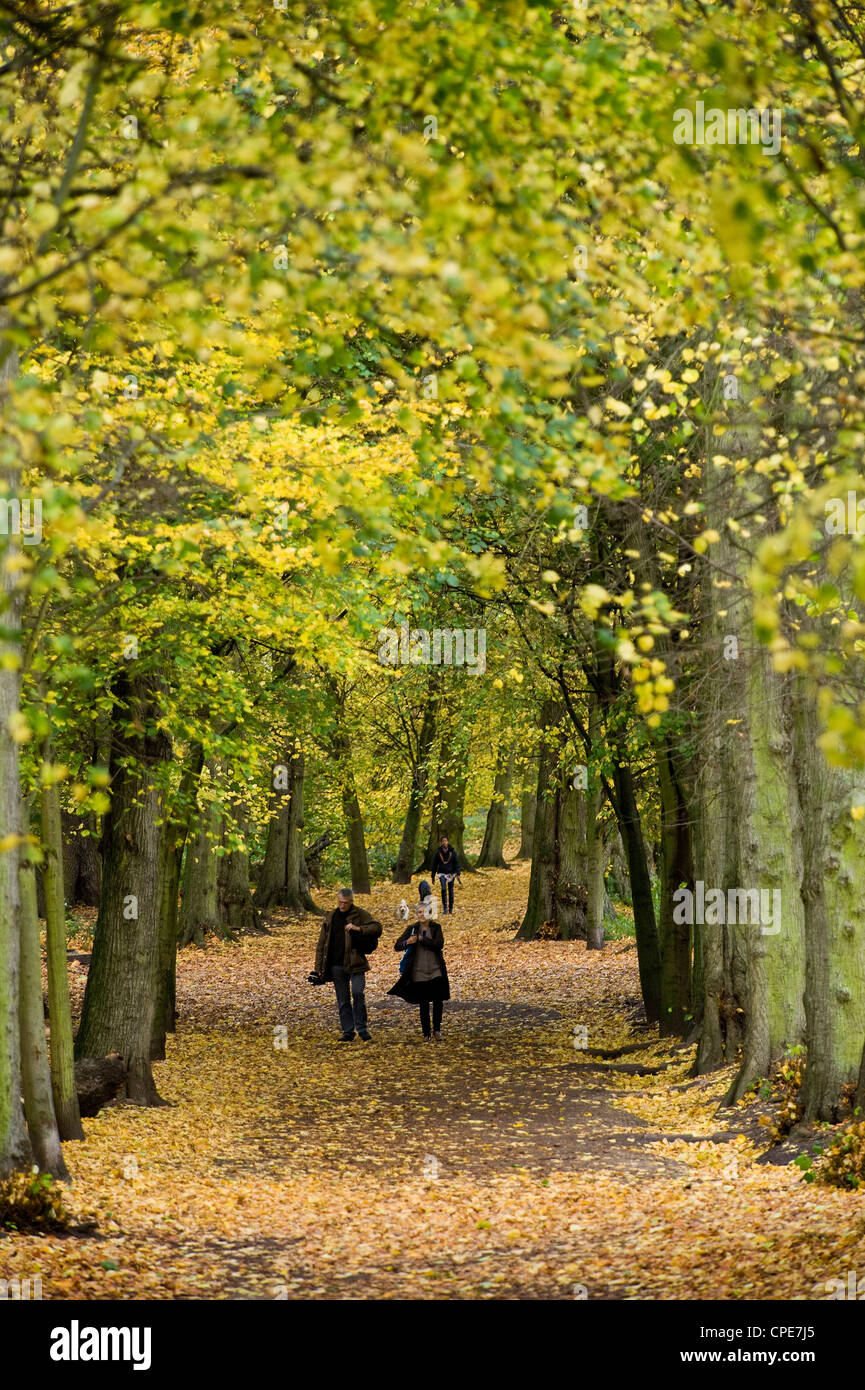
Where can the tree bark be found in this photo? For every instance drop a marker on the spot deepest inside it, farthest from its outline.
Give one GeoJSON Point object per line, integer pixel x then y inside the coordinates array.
{"type": "Point", "coordinates": [557, 890]}
{"type": "Point", "coordinates": [237, 911]}
{"type": "Point", "coordinates": [419, 778]}
{"type": "Point", "coordinates": [15, 1148]}
{"type": "Point", "coordinates": [82, 866]}
{"type": "Point", "coordinates": [492, 849]}
{"type": "Point", "coordinates": [833, 882]}
{"type": "Point", "coordinates": [528, 808]}
{"type": "Point", "coordinates": [123, 983]}
{"type": "Point", "coordinates": [595, 855]}
{"type": "Point", "coordinates": [284, 880]}
{"type": "Point", "coordinates": [676, 870]}
{"type": "Point", "coordinates": [35, 1068]}
{"type": "Point", "coordinates": [199, 908]}
{"type": "Point", "coordinates": [59, 1006]}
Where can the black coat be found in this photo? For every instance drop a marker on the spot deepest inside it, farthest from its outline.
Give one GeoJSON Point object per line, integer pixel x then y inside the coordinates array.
{"type": "Point", "coordinates": [451, 865]}
{"type": "Point", "coordinates": [405, 987]}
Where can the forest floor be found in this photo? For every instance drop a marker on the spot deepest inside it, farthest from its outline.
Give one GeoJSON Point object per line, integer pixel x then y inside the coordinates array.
{"type": "Point", "coordinates": [501, 1163]}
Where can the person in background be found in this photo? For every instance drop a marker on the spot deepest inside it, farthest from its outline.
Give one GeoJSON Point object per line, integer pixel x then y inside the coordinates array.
{"type": "Point", "coordinates": [425, 981]}
{"type": "Point", "coordinates": [346, 935]}
{"type": "Point", "coordinates": [446, 867]}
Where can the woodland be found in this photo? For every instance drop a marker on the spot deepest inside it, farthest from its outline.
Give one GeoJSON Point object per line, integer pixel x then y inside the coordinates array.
{"type": "Point", "coordinates": [413, 426]}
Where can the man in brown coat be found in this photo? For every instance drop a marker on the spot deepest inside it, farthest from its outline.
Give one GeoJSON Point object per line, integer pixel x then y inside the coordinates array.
{"type": "Point", "coordinates": [347, 934]}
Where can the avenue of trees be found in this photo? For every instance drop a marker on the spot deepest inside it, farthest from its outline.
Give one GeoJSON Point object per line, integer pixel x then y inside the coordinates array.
{"type": "Point", "coordinates": [326, 322]}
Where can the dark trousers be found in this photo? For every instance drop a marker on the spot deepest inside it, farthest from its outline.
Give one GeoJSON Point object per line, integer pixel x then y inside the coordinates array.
{"type": "Point", "coordinates": [438, 1005]}
{"type": "Point", "coordinates": [351, 999]}
{"type": "Point", "coordinates": [447, 893]}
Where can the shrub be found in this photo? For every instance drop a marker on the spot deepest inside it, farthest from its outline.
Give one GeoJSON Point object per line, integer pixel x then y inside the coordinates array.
{"type": "Point", "coordinates": [32, 1202]}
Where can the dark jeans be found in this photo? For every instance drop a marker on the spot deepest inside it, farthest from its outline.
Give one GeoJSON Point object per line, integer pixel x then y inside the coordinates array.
{"type": "Point", "coordinates": [447, 893]}
{"type": "Point", "coordinates": [438, 1005]}
{"type": "Point", "coordinates": [351, 999]}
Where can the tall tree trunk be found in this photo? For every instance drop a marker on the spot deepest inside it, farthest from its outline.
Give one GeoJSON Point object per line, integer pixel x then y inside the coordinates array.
{"type": "Point", "coordinates": [557, 892]}
{"type": "Point", "coordinates": [237, 911]}
{"type": "Point", "coordinates": [124, 979]}
{"type": "Point", "coordinates": [528, 807]}
{"type": "Point", "coordinates": [82, 866]}
{"type": "Point", "coordinates": [492, 849]}
{"type": "Point", "coordinates": [15, 1148]}
{"type": "Point", "coordinates": [199, 908]}
{"type": "Point", "coordinates": [676, 870]}
{"type": "Point", "coordinates": [833, 884]}
{"type": "Point", "coordinates": [595, 855]}
{"type": "Point", "coordinates": [648, 949]}
{"type": "Point", "coordinates": [357, 855]}
{"type": "Point", "coordinates": [59, 1006]}
{"type": "Point", "coordinates": [174, 839]}
{"type": "Point", "coordinates": [284, 881]}
{"type": "Point", "coordinates": [419, 778]}
{"type": "Point", "coordinates": [35, 1068]}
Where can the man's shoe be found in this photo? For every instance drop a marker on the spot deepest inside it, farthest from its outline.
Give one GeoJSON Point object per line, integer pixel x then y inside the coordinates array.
{"type": "Point", "coordinates": [427, 1037]}
{"type": "Point", "coordinates": [347, 1037]}
{"type": "Point", "coordinates": [437, 1036]}
{"type": "Point", "coordinates": [365, 1037]}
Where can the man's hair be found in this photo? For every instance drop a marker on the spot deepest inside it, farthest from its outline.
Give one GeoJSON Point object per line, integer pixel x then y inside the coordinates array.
{"type": "Point", "coordinates": [443, 837]}
{"type": "Point", "coordinates": [345, 893]}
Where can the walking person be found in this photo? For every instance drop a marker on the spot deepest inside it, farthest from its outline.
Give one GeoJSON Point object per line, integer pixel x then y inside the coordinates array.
{"type": "Point", "coordinates": [347, 936]}
{"type": "Point", "coordinates": [446, 867]}
{"type": "Point", "coordinates": [424, 980]}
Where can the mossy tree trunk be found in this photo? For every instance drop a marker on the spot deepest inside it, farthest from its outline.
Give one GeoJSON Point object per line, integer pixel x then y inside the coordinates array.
{"type": "Point", "coordinates": [59, 1005]}
{"type": "Point", "coordinates": [35, 1067]}
{"type": "Point", "coordinates": [15, 1148]}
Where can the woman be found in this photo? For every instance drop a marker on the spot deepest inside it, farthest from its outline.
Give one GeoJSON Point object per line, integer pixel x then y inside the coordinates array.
{"type": "Point", "coordinates": [425, 979]}
{"type": "Point", "coordinates": [446, 867]}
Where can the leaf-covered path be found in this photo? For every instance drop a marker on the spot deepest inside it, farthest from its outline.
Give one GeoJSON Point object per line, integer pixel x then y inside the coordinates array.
{"type": "Point", "coordinates": [501, 1163]}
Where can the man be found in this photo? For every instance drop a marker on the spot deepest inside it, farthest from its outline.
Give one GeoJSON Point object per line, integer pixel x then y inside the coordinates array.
{"type": "Point", "coordinates": [347, 933]}
{"type": "Point", "coordinates": [446, 867]}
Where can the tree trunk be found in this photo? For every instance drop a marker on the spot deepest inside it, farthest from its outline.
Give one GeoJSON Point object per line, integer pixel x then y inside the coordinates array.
{"type": "Point", "coordinates": [833, 845]}
{"type": "Point", "coordinates": [199, 909]}
{"type": "Point", "coordinates": [173, 842]}
{"type": "Point", "coordinates": [648, 949]}
{"type": "Point", "coordinates": [419, 776]}
{"type": "Point", "coordinates": [492, 849]}
{"type": "Point", "coordinates": [360, 881]}
{"type": "Point", "coordinates": [237, 911]}
{"type": "Point", "coordinates": [123, 983]}
{"type": "Point", "coordinates": [59, 1006]}
{"type": "Point", "coordinates": [557, 890]}
{"type": "Point", "coordinates": [676, 870]}
{"type": "Point", "coordinates": [15, 1148]}
{"type": "Point", "coordinates": [284, 880]}
{"type": "Point", "coordinates": [82, 866]}
{"type": "Point", "coordinates": [528, 807]}
{"type": "Point", "coordinates": [595, 855]}
{"type": "Point", "coordinates": [35, 1068]}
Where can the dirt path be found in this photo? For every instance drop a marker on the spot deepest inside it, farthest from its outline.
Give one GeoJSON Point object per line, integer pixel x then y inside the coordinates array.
{"type": "Point", "coordinates": [500, 1163]}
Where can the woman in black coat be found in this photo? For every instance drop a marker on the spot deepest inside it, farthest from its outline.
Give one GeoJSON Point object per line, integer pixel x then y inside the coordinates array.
{"type": "Point", "coordinates": [426, 979]}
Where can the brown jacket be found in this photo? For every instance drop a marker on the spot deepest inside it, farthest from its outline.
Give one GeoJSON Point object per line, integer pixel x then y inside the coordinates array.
{"type": "Point", "coordinates": [355, 960]}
